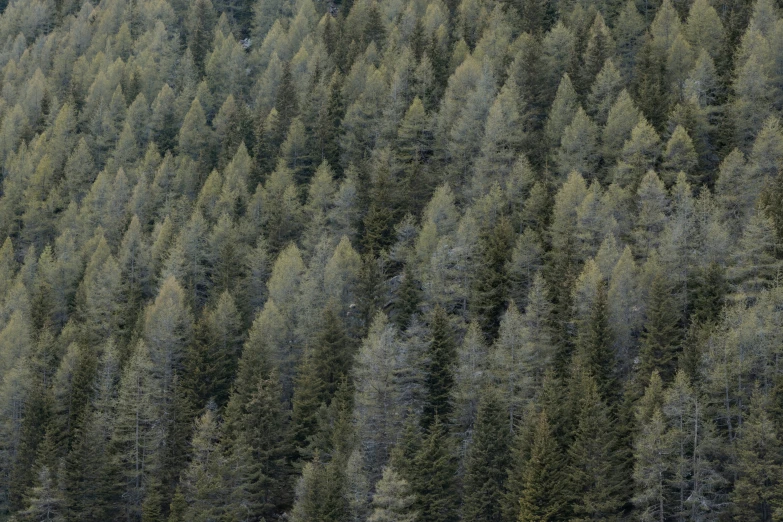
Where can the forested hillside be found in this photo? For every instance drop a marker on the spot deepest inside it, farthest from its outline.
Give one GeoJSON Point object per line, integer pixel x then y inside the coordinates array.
{"type": "Point", "coordinates": [391, 260]}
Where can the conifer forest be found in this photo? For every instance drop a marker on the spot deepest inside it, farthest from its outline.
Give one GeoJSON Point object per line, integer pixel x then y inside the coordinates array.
{"type": "Point", "coordinates": [391, 260]}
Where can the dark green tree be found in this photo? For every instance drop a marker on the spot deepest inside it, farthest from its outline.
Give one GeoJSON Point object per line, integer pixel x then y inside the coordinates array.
{"type": "Point", "coordinates": [486, 461]}
{"type": "Point", "coordinates": [662, 335]}
{"type": "Point", "coordinates": [595, 483]}
{"type": "Point", "coordinates": [200, 22]}
{"type": "Point", "coordinates": [434, 477]}
{"type": "Point", "coordinates": [758, 490]}
{"type": "Point", "coordinates": [490, 286]}
{"type": "Point", "coordinates": [408, 298]}
{"type": "Point", "coordinates": [595, 346]}
{"type": "Point", "coordinates": [439, 372]}
{"type": "Point", "coordinates": [543, 496]}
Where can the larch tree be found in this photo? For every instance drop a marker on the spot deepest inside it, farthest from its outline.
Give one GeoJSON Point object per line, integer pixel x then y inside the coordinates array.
{"type": "Point", "coordinates": [377, 408]}
{"type": "Point", "coordinates": [578, 150]}
{"type": "Point", "coordinates": [639, 154]}
{"type": "Point", "coordinates": [392, 501]}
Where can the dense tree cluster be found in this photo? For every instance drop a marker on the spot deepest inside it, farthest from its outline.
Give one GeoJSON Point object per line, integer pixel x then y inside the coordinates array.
{"type": "Point", "coordinates": [410, 260]}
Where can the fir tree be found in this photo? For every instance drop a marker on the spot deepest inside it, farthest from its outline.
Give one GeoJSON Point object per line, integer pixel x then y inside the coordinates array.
{"type": "Point", "coordinates": [595, 483]}
{"type": "Point", "coordinates": [595, 346]}
{"type": "Point", "coordinates": [662, 334]}
{"type": "Point", "coordinates": [490, 287]}
{"type": "Point", "coordinates": [757, 490]}
{"type": "Point", "coordinates": [45, 501]}
{"type": "Point", "coordinates": [408, 298]}
{"type": "Point", "coordinates": [485, 477]}
{"type": "Point", "coordinates": [201, 18]}
{"type": "Point", "coordinates": [542, 495]}
{"type": "Point", "coordinates": [434, 475]}
{"type": "Point", "coordinates": [439, 374]}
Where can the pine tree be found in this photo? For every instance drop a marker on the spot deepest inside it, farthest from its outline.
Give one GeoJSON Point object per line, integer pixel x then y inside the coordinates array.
{"type": "Point", "coordinates": [604, 92]}
{"type": "Point", "coordinates": [195, 136]}
{"type": "Point", "coordinates": [622, 118]}
{"type": "Point", "coordinates": [490, 449]}
{"type": "Point", "coordinates": [680, 155]}
{"type": "Point", "coordinates": [137, 435]}
{"type": "Point", "coordinates": [751, 105]}
{"type": "Point", "coordinates": [695, 482]}
{"type": "Point", "coordinates": [502, 141]}
{"type": "Point", "coordinates": [578, 146]}
{"type": "Point", "coordinates": [639, 154]}
{"type": "Point", "coordinates": [564, 108]}
{"type": "Point", "coordinates": [378, 407]}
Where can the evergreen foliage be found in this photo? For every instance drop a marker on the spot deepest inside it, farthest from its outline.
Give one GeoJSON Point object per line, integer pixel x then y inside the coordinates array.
{"type": "Point", "coordinates": [400, 261]}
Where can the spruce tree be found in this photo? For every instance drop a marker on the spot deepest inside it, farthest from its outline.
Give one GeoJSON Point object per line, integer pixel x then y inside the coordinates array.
{"type": "Point", "coordinates": [543, 491]}
{"type": "Point", "coordinates": [662, 332]}
{"type": "Point", "coordinates": [595, 346]}
{"type": "Point", "coordinates": [309, 396]}
{"type": "Point", "coordinates": [434, 477]}
{"type": "Point", "coordinates": [45, 501]}
{"type": "Point", "coordinates": [408, 298]}
{"type": "Point", "coordinates": [286, 105]}
{"type": "Point", "coordinates": [200, 21]}
{"type": "Point", "coordinates": [439, 372]}
{"type": "Point", "coordinates": [490, 286]}
{"type": "Point", "coordinates": [595, 483]}
{"type": "Point", "coordinates": [758, 491]}
{"type": "Point", "coordinates": [213, 366]}
{"type": "Point", "coordinates": [90, 475]}
{"type": "Point", "coordinates": [486, 461]}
